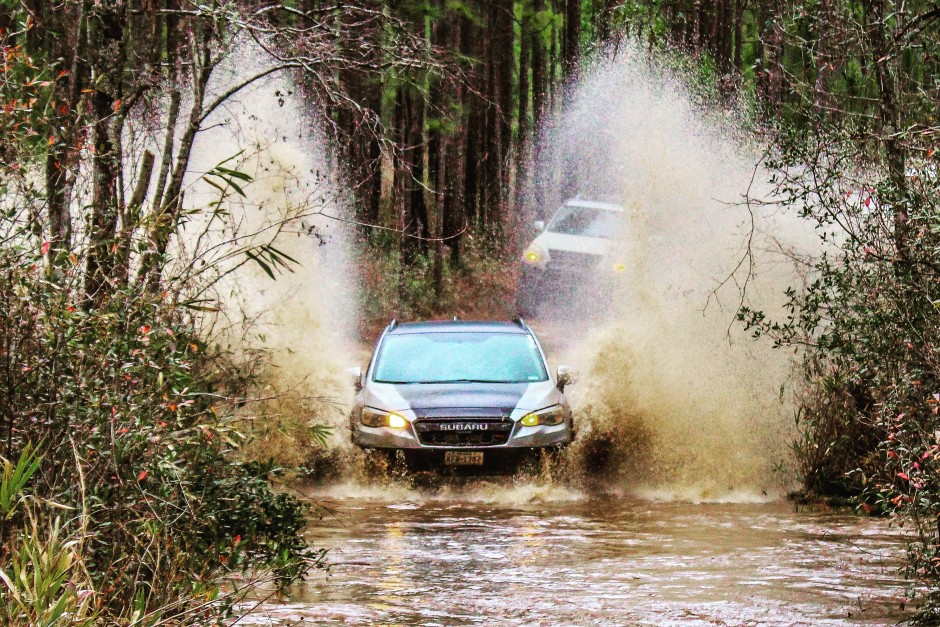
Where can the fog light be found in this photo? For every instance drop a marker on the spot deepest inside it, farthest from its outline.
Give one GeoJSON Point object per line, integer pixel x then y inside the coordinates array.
{"type": "Point", "coordinates": [532, 256]}
{"type": "Point", "coordinates": [396, 421]}
{"type": "Point", "coordinates": [619, 267]}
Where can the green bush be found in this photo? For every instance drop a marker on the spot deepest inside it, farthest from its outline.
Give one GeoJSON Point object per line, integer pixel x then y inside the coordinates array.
{"type": "Point", "coordinates": [868, 323]}
{"type": "Point", "coordinates": [137, 454]}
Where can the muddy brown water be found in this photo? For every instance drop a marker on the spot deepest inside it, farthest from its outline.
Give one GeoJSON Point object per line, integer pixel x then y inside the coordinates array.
{"type": "Point", "coordinates": [524, 555]}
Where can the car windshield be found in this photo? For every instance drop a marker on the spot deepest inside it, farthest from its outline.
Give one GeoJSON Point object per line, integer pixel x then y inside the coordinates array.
{"type": "Point", "coordinates": [587, 222]}
{"type": "Point", "coordinates": [459, 358]}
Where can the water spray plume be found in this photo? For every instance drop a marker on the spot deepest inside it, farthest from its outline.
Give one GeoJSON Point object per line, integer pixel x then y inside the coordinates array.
{"type": "Point", "coordinates": [289, 296]}
{"type": "Point", "coordinates": [676, 399]}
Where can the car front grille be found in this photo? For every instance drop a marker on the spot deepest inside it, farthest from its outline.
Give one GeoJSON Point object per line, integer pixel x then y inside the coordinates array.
{"type": "Point", "coordinates": [566, 259]}
{"type": "Point", "coordinates": [466, 432]}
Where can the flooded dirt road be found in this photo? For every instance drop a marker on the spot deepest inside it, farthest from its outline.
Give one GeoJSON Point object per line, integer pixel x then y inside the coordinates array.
{"type": "Point", "coordinates": [561, 558]}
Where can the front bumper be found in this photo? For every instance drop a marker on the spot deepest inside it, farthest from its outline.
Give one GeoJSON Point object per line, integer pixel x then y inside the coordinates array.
{"type": "Point", "coordinates": [520, 437]}
{"type": "Point", "coordinates": [571, 276]}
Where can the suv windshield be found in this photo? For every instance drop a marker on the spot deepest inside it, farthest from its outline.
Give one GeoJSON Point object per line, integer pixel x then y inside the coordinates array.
{"type": "Point", "coordinates": [459, 358]}
{"type": "Point", "coordinates": [587, 222]}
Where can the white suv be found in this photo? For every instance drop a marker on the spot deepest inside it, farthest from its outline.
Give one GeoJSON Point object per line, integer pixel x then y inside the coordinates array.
{"type": "Point", "coordinates": [575, 250]}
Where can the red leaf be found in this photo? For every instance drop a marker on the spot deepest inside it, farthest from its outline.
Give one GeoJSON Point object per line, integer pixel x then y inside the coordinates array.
{"type": "Point", "coordinates": [903, 475]}
{"type": "Point", "coordinates": [142, 475]}
{"type": "Point", "coordinates": [45, 247]}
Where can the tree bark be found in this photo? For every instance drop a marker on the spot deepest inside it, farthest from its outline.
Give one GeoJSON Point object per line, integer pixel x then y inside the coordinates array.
{"type": "Point", "coordinates": [106, 37]}
{"type": "Point", "coordinates": [522, 137]}
{"type": "Point", "coordinates": [572, 46]}
{"type": "Point", "coordinates": [821, 98]}
{"type": "Point", "coordinates": [889, 115]}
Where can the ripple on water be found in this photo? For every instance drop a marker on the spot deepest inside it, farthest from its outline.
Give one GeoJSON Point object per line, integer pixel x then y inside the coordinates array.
{"type": "Point", "coordinates": [597, 561]}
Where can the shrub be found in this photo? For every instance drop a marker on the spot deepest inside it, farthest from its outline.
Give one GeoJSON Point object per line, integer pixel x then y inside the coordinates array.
{"type": "Point", "coordinates": [127, 406]}
{"type": "Point", "coordinates": [869, 328]}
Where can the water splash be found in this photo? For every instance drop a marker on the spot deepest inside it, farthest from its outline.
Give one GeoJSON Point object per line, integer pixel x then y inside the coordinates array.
{"type": "Point", "coordinates": [676, 400]}
{"type": "Point", "coordinates": [303, 320]}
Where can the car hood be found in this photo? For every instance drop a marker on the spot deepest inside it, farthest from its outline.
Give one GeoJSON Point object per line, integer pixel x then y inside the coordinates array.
{"type": "Point", "coordinates": [438, 398]}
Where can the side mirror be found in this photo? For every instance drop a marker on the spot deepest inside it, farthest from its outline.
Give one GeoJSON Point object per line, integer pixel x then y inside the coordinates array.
{"type": "Point", "coordinates": [539, 225]}
{"type": "Point", "coordinates": [355, 375]}
{"type": "Point", "coordinates": [565, 377]}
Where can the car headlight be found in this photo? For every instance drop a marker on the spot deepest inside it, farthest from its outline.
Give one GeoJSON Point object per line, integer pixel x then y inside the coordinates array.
{"type": "Point", "coordinates": [375, 418]}
{"type": "Point", "coordinates": [547, 417]}
{"type": "Point", "coordinates": [534, 255]}
{"type": "Point", "coordinates": [619, 267]}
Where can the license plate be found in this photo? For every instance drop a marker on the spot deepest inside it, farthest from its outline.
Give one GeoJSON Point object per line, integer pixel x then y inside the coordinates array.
{"type": "Point", "coordinates": [463, 458]}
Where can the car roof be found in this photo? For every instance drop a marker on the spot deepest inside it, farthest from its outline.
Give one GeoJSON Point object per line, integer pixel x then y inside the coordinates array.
{"type": "Point", "coordinates": [593, 204]}
{"type": "Point", "coordinates": [458, 326]}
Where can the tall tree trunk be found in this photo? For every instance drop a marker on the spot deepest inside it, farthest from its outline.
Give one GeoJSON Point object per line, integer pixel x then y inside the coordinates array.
{"type": "Point", "coordinates": [357, 128]}
{"type": "Point", "coordinates": [553, 64]}
{"type": "Point", "coordinates": [522, 138]}
{"type": "Point", "coordinates": [502, 70]}
{"type": "Point", "coordinates": [821, 98]}
{"type": "Point", "coordinates": [539, 77]}
{"type": "Point", "coordinates": [889, 114]}
{"type": "Point", "coordinates": [572, 46]}
{"type": "Point", "coordinates": [437, 152]}
{"type": "Point", "coordinates": [106, 33]}
{"type": "Point", "coordinates": [61, 34]}
{"type": "Point", "coordinates": [413, 217]}
{"type": "Point", "coordinates": [605, 16]}
{"type": "Point", "coordinates": [166, 216]}
{"type": "Point", "coordinates": [739, 37]}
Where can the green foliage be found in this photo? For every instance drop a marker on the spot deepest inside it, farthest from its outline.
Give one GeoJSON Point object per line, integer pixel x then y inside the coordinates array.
{"type": "Point", "coordinates": [14, 480]}
{"type": "Point", "coordinates": [869, 327]}
{"type": "Point", "coordinates": [26, 107]}
{"type": "Point", "coordinates": [40, 588]}
{"type": "Point", "coordinates": [138, 445]}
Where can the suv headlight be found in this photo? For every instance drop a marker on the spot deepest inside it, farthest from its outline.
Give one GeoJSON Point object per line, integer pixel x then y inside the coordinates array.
{"type": "Point", "coordinates": [375, 418]}
{"type": "Point", "coordinates": [547, 417]}
{"type": "Point", "coordinates": [534, 255]}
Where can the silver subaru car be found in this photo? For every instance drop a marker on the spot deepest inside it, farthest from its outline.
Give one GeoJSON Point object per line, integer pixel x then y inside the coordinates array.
{"type": "Point", "coordinates": [460, 394]}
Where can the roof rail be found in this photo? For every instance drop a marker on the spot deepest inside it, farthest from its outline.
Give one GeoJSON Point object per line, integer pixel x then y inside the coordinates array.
{"type": "Point", "coordinates": [393, 323]}
{"type": "Point", "coordinates": [520, 322]}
